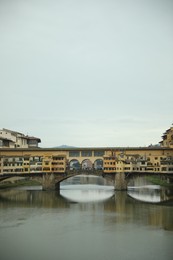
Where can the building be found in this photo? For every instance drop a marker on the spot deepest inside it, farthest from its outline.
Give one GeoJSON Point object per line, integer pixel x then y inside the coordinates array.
{"type": "Point", "coordinates": [167, 138]}
{"type": "Point", "coordinates": [26, 157]}
{"type": "Point", "coordinates": [153, 162]}
{"type": "Point", "coordinates": [13, 139]}
{"type": "Point", "coordinates": [33, 164]}
{"type": "Point", "coordinates": [58, 160]}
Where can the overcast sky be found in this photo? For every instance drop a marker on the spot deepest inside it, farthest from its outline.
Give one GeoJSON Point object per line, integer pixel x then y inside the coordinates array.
{"type": "Point", "coordinates": [87, 72]}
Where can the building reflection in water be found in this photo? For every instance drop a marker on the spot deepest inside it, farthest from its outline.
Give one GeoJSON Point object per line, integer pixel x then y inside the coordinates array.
{"type": "Point", "coordinates": [115, 207]}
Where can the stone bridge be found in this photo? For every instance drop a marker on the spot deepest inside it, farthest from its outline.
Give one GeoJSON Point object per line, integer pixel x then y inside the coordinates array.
{"type": "Point", "coordinates": [51, 181]}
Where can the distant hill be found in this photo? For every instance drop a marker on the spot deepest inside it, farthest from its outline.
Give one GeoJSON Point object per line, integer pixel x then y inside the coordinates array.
{"type": "Point", "coordinates": [64, 146]}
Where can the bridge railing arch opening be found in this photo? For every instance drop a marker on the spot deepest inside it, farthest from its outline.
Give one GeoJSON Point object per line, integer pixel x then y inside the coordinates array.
{"type": "Point", "coordinates": [98, 164]}
{"type": "Point", "coordinates": [86, 165]}
{"type": "Point", "coordinates": [74, 165]}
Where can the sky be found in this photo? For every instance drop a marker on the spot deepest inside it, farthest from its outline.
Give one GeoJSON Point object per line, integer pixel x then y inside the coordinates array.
{"type": "Point", "coordinates": [87, 73]}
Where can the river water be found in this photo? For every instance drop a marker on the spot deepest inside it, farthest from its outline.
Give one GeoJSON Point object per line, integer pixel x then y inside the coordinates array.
{"type": "Point", "coordinates": [86, 220]}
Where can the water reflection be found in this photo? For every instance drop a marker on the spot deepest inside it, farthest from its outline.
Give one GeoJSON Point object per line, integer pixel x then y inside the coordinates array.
{"type": "Point", "coordinates": [61, 225]}
{"type": "Point", "coordinates": [118, 207]}
{"type": "Point", "coordinates": [86, 188]}
{"type": "Point", "coordinates": [147, 194]}
{"type": "Point", "coordinates": [86, 193]}
{"type": "Point", "coordinates": [31, 198]}
{"type": "Point", "coordinates": [142, 189]}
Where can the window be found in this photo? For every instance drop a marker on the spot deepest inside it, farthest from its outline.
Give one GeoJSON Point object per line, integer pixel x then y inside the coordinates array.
{"type": "Point", "coordinates": [74, 153]}
{"type": "Point", "coordinates": [26, 158]}
{"type": "Point", "coordinates": [86, 153]}
{"type": "Point", "coordinates": [32, 142]}
{"type": "Point", "coordinates": [98, 153]}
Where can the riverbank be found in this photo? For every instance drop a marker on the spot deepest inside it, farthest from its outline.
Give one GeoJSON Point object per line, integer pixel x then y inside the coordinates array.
{"type": "Point", "coordinates": [7, 185]}
{"type": "Point", "coordinates": [158, 181]}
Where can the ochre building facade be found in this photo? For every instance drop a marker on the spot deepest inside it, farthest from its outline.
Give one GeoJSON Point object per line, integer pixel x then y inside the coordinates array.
{"type": "Point", "coordinates": [153, 159]}
{"type": "Point", "coordinates": [113, 160]}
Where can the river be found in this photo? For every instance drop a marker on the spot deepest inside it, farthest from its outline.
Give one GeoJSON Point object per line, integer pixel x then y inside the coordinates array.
{"type": "Point", "coordinates": [86, 220]}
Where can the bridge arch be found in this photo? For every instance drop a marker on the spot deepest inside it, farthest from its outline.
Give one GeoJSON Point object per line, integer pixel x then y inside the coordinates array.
{"type": "Point", "coordinates": [87, 164]}
{"type": "Point", "coordinates": [74, 164]}
{"type": "Point", "coordinates": [106, 179]}
{"type": "Point", "coordinates": [98, 164]}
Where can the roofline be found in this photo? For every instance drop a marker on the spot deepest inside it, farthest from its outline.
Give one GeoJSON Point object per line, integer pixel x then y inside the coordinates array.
{"type": "Point", "coordinates": [89, 148]}
{"type": "Point", "coordinates": [11, 131]}
{"type": "Point", "coordinates": [33, 138]}
{"type": "Point", "coordinates": [21, 135]}
{"type": "Point", "coordinates": [27, 137]}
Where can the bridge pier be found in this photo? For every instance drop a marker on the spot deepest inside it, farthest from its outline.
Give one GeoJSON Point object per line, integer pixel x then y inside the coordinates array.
{"type": "Point", "coordinates": [120, 181]}
{"type": "Point", "coordinates": [48, 182]}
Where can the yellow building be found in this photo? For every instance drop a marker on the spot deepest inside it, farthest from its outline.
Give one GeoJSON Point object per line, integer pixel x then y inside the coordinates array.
{"type": "Point", "coordinates": [149, 159]}
{"type": "Point", "coordinates": [139, 160]}
{"type": "Point", "coordinates": [32, 164]}
{"type": "Point", "coordinates": [55, 163]}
